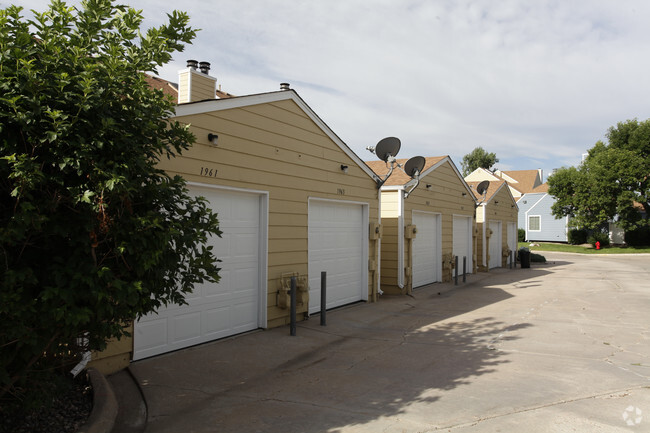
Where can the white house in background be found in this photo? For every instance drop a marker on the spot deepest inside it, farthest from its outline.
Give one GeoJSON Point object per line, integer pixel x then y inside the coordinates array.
{"type": "Point", "coordinates": [533, 200]}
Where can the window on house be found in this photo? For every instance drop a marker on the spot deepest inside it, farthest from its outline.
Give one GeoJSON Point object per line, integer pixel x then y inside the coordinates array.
{"type": "Point", "coordinates": [534, 223]}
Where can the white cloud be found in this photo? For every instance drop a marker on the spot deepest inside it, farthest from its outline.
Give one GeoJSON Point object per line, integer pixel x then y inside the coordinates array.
{"type": "Point", "coordinates": [535, 82]}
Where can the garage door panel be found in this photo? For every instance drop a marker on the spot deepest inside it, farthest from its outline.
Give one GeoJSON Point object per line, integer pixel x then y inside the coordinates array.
{"type": "Point", "coordinates": [495, 244]}
{"type": "Point", "coordinates": [154, 333]}
{"type": "Point", "coordinates": [336, 236]}
{"type": "Point", "coordinates": [184, 327]}
{"type": "Point", "coordinates": [462, 231]}
{"type": "Point", "coordinates": [426, 251]}
{"type": "Point", "coordinates": [214, 310]}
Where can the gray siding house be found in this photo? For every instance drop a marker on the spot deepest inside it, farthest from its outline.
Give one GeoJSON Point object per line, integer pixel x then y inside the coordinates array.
{"type": "Point", "coordinates": [538, 221]}
{"type": "Point", "coordinates": [533, 201]}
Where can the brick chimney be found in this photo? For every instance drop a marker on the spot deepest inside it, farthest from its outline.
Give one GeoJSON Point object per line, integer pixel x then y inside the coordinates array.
{"type": "Point", "coordinates": [195, 83]}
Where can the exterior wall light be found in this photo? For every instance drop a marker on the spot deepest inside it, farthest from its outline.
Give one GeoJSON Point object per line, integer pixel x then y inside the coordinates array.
{"type": "Point", "coordinates": [213, 138]}
{"type": "Point", "coordinates": [344, 168]}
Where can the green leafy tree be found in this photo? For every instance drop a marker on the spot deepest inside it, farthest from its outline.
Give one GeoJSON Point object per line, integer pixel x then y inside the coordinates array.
{"type": "Point", "coordinates": [613, 182]}
{"type": "Point", "coordinates": [92, 233]}
{"type": "Point", "coordinates": [478, 158]}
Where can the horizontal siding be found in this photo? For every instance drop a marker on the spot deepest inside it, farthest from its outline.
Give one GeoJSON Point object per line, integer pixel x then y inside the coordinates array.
{"type": "Point", "coordinates": [505, 211]}
{"type": "Point", "coordinates": [526, 202]}
{"type": "Point", "coordinates": [203, 87]}
{"type": "Point", "coordinates": [278, 149]}
{"type": "Point", "coordinates": [183, 87]}
{"type": "Point", "coordinates": [389, 204]}
{"type": "Point", "coordinates": [552, 229]}
{"type": "Point", "coordinates": [444, 197]}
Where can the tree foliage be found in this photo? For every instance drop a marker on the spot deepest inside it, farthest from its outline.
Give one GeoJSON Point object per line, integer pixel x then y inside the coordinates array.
{"type": "Point", "coordinates": [612, 183]}
{"type": "Point", "coordinates": [478, 158]}
{"type": "Point", "coordinates": [92, 233]}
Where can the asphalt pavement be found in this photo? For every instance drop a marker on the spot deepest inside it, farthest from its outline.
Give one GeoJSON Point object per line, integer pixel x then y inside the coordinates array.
{"type": "Point", "coordinates": [560, 347]}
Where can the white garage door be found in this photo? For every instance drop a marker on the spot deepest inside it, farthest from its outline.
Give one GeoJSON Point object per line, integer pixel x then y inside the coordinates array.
{"type": "Point", "coordinates": [427, 262]}
{"type": "Point", "coordinates": [337, 233]}
{"type": "Point", "coordinates": [495, 244]}
{"type": "Point", "coordinates": [214, 310]}
{"type": "Point", "coordinates": [462, 243]}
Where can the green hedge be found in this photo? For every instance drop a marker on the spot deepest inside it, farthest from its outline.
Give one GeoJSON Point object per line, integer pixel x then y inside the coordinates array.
{"type": "Point", "coordinates": [577, 236]}
{"type": "Point", "coordinates": [638, 238]}
{"type": "Point", "coordinates": [601, 237]}
{"type": "Point", "coordinates": [521, 235]}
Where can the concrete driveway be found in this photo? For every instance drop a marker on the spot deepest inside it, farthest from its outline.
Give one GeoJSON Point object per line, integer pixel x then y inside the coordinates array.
{"type": "Point", "coordinates": [561, 347]}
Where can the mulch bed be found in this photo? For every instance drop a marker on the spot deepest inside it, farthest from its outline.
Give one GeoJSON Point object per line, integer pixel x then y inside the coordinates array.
{"type": "Point", "coordinates": [67, 413]}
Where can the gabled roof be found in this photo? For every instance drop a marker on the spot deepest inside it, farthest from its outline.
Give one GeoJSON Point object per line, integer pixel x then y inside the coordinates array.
{"type": "Point", "coordinates": [167, 87]}
{"type": "Point", "coordinates": [399, 177]}
{"type": "Point", "coordinates": [524, 181]}
{"type": "Point", "coordinates": [212, 105]}
{"type": "Point", "coordinates": [542, 188]}
{"type": "Point", "coordinates": [171, 89]}
{"type": "Point", "coordinates": [493, 189]}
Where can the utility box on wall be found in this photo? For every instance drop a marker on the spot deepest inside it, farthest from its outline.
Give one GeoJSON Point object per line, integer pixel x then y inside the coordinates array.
{"type": "Point", "coordinates": [302, 292]}
{"type": "Point", "coordinates": [410, 231]}
{"type": "Point", "coordinates": [375, 231]}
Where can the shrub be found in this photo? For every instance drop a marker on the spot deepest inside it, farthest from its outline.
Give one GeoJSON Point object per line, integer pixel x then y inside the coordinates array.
{"type": "Point", "coordinates": [577, 236]}
{"type": "Point", "coordinates": [521, 235]}
{"type": "Point", "coordinates": [93, 233]}
{"type": "Point", "coordinates": [638, 237]}
{"type": "Point", "coordinates": [537, 258]}
{"type": "Point", "coordinates": [601, 237]}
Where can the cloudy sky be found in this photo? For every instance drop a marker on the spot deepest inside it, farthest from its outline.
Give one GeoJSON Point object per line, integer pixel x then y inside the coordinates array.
{"type": "Point", "coordinates": [536, 82]}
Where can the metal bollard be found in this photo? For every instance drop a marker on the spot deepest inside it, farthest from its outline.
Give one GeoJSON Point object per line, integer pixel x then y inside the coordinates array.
{"type": "Point", "coordinates": [456, 270]}
{"type": "Point", "coordinates": [464, 268]}
{"type": "Point", "coordinates": [293, 306]}
{"type": "Point", "coordinates": [323, 298]}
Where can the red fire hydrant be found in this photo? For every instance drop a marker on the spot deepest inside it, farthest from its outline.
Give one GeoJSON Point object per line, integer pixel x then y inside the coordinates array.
{"type": "Point", "coordinates": [597, 245]}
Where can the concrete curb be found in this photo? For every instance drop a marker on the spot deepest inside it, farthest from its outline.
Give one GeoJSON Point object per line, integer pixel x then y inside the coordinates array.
{"type": "Point", "coordinates": [102, 417]}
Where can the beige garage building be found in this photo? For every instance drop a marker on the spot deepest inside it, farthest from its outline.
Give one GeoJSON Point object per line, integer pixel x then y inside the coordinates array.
{"type": "Point", "coordinates": [292, 199]}
{"type": "Point", "coordinates": [496, 222]}
{"type": "Point", "coordinates": [423, 232]}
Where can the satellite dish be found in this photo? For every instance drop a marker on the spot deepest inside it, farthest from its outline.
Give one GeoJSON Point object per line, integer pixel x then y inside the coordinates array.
{"type": "Point", "coordinates": [387, 147]}
{"type": "Point", "coordinates": [414, 166]}
{"type": "Point", "coordinates": [482, 187]}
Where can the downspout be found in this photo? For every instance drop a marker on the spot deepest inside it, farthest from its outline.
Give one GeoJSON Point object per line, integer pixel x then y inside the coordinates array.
{"type": "Point", "coordinates": [400, 240]}
{"type": "Point", "coordinates": [85, 359]}
{"type": "Point", "coordinates": [378, 270]}
{"type": "Point", "coordinates": [484, 240]}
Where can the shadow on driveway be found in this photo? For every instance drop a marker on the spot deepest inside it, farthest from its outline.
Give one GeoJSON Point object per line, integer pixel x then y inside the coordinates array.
{"type": "Point", "coordinates": [371, 362]}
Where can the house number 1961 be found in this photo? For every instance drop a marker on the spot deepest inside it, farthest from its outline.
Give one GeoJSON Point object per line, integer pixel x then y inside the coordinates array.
{"type": "Point", "coordinates": [209, 172]}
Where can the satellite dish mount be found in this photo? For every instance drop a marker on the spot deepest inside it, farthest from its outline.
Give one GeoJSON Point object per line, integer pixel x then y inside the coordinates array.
{"type": "Point", "coordinates": [413, 168]}
{"type": "Point", "coordinates": [386, 150]}
{"type": "Point", "coordinates": [481, 189]}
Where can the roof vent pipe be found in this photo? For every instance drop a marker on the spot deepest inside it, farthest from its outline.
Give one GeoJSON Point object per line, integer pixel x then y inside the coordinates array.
{"type": "Point", "coordinates": [205, 67]}
{"type": "Point", "coordinates": [284, 86]}
{"type": "Point", "coordinates": [192, 64]}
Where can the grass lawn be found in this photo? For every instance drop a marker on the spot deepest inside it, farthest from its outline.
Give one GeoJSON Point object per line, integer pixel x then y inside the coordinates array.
{"type": "Point", "coordinates": [565, 248]}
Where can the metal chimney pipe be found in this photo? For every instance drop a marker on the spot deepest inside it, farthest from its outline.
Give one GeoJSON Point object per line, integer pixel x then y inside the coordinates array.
{"type": "Point", "coordinates": [205, 67]}
{"type": "Point", "coordinates": [284, 86]}
{"type": "Point", "coordinates": [192, 64]}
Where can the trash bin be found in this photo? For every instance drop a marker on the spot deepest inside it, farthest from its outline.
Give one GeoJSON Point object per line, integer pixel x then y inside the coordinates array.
{"type": "Point", "coordinates": [524, 257]}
